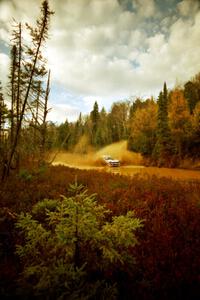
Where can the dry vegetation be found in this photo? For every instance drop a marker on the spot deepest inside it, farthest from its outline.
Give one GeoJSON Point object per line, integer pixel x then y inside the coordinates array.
{"type": "Point", "coordinates": [167, 257]}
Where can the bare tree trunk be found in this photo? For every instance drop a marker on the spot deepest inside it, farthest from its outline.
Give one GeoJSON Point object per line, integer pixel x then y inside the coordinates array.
{"type": "Point", "coordinates": [36, 117]}
{"type": "Point", "coordinates": [18, 102]}
{"type": "Point", "coordinates": [44, 125]}
{"type": "Point", "coordinates": [3, 138]}
{"type": "Point", "coordinates": [13, 95]}
{"type": "Point", "coordinates": [19, 125]}
{"type": "Point", "coordinates": [1, 122]}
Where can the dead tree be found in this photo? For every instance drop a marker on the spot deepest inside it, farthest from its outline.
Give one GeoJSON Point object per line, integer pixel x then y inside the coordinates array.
{"type": "Point", "coordinates": [13, 94]}
{"type": "Point", "coordinates": [44, 123]}
{"type": "Point", "coordinates": [3, 135]}
{"type": "Point", "coordinates": [39, 36]}
{"type": "Point", "coordinates": [1, 116]}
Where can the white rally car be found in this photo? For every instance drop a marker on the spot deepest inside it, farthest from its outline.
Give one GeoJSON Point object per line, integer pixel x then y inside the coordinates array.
{"type": "Point", "coordinates": [110, 161]}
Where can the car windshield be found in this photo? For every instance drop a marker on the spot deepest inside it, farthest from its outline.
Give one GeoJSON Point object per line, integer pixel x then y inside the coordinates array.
{"type": "Point", "coordinates": [108, 157]}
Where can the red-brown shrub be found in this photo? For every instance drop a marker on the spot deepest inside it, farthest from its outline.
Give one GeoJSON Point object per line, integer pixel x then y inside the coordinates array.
{"type": "Point", "coordinates": [168, 256]}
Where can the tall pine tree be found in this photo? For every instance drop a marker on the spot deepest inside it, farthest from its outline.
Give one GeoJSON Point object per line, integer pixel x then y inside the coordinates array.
{"type": "Point", "coordinates": [94, 115]}
{"type": "Point", "coordinates": [163, 148]}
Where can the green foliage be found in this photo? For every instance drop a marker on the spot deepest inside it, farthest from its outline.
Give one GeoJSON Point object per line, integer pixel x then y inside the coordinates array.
{"type": "Point", "coordinates": [62, 132]}
{"type": "Point", "coordinates": [68, 240]}
{"type": "Point", "coordinates": [191, 94]}
{"type": "Point", "coordinates": [95, 118]}
{"type": "Point", "coordinates": [164, 146]}
{"type": "Point", "coordinates": [118, 121]}
{"type": "Point", "coordinates": [40, 209]}
{"type": "Point", "coordinates": [95, 115]}
{"type": "Point", "coordinates": [25, 174]}
{"type": "Point", "coordinates": [100, 128]}
{"type": "Point", "coordinates": [137, 105]}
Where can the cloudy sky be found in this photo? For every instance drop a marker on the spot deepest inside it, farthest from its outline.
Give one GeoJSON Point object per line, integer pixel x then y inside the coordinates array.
{"type": "Point", "coordinates": [108, 50]}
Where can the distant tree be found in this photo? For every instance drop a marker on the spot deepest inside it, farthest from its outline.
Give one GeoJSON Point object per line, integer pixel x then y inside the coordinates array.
{"type": "Point", "coordinates": [76, 130]}
{"type": "Point", "coordinates": [179, 121]}
{"type": "Point", "coordinates": [95, 118]}
{"type": "Point", "coordinates": [196, 119]}
{"type": "Point", "coordinates": [62, 132]}
{"type": "Point", "coordinates": [196, 81]}
{"type": "Point", "coordinates": [137, 104]}
{"type": "Point", "coordinates": [95, 115]}
{"type": "Point", "coordinates": [104, 132]}
{"type": "Point", "coordinates": [52, 136]}
{"type": "Point", "coordinates": [194, 146]}
{"type": "Point", "coordinates": [79, 128]}
{"type": "Point", "coordinates": [143, 126]}
{"type": "Point", "coordinates": [164, 145]}
{"type": "Point", "coordinates": [118, 120]}
{"type": "Point", "coordinates": [191, 94]}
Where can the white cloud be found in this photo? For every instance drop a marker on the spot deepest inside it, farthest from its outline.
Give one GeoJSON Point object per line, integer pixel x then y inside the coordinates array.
{"type": "Point", "coordinates": [61, 112]}
{"type": "Point", "coordinates": [4, 35]}
{"type": "Point", "coordinates": [94, 53]}
{"type": "Point", "coordinates": [5, 11]}
{"type": "Point", "coordinates": [98, 60]}
{"type": "Point", "coordinates": [4, 67]}
{"type": "Point", "coordinates": [99, 50]}
{"type": "Point", "coordinates": [175, 57]}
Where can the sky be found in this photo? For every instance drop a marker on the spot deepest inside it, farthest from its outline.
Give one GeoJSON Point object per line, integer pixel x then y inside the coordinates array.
{"type": "Point", "coordinates": [109, 50]}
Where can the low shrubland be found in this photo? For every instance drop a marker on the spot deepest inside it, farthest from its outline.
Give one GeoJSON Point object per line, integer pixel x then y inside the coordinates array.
{"type": "Point", "coordinates": [164, 263]}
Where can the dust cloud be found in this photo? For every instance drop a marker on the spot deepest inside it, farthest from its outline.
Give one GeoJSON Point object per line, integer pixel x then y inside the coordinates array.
{"type": "Point", "coordinates": [119, 151]}
{"type": "Point", "coordinates": [94, 158]}
{"type": "Point", "coordinates": [131, 163]}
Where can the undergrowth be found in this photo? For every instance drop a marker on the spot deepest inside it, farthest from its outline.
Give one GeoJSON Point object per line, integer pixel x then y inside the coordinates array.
{"type": "Point", "coordinates": [167, 260]}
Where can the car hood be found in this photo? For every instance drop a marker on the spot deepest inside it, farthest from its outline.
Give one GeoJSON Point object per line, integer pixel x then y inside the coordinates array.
{"type": "Point", "coordinates": [112, 160]}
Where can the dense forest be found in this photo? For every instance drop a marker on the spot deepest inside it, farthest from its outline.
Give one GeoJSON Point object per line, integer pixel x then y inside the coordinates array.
{"type": "Point", "coordinates": [165, 130]}
{"type": "Point", "coordinates": [67, 233]}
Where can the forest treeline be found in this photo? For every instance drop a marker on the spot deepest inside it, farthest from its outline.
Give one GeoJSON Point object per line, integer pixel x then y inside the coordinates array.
{"type": "Point", "coordinates": [165, 130]}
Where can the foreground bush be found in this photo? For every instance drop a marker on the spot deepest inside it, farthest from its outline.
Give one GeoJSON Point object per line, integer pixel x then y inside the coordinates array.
{"type": "Point", "coordinates": [72, 246]}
